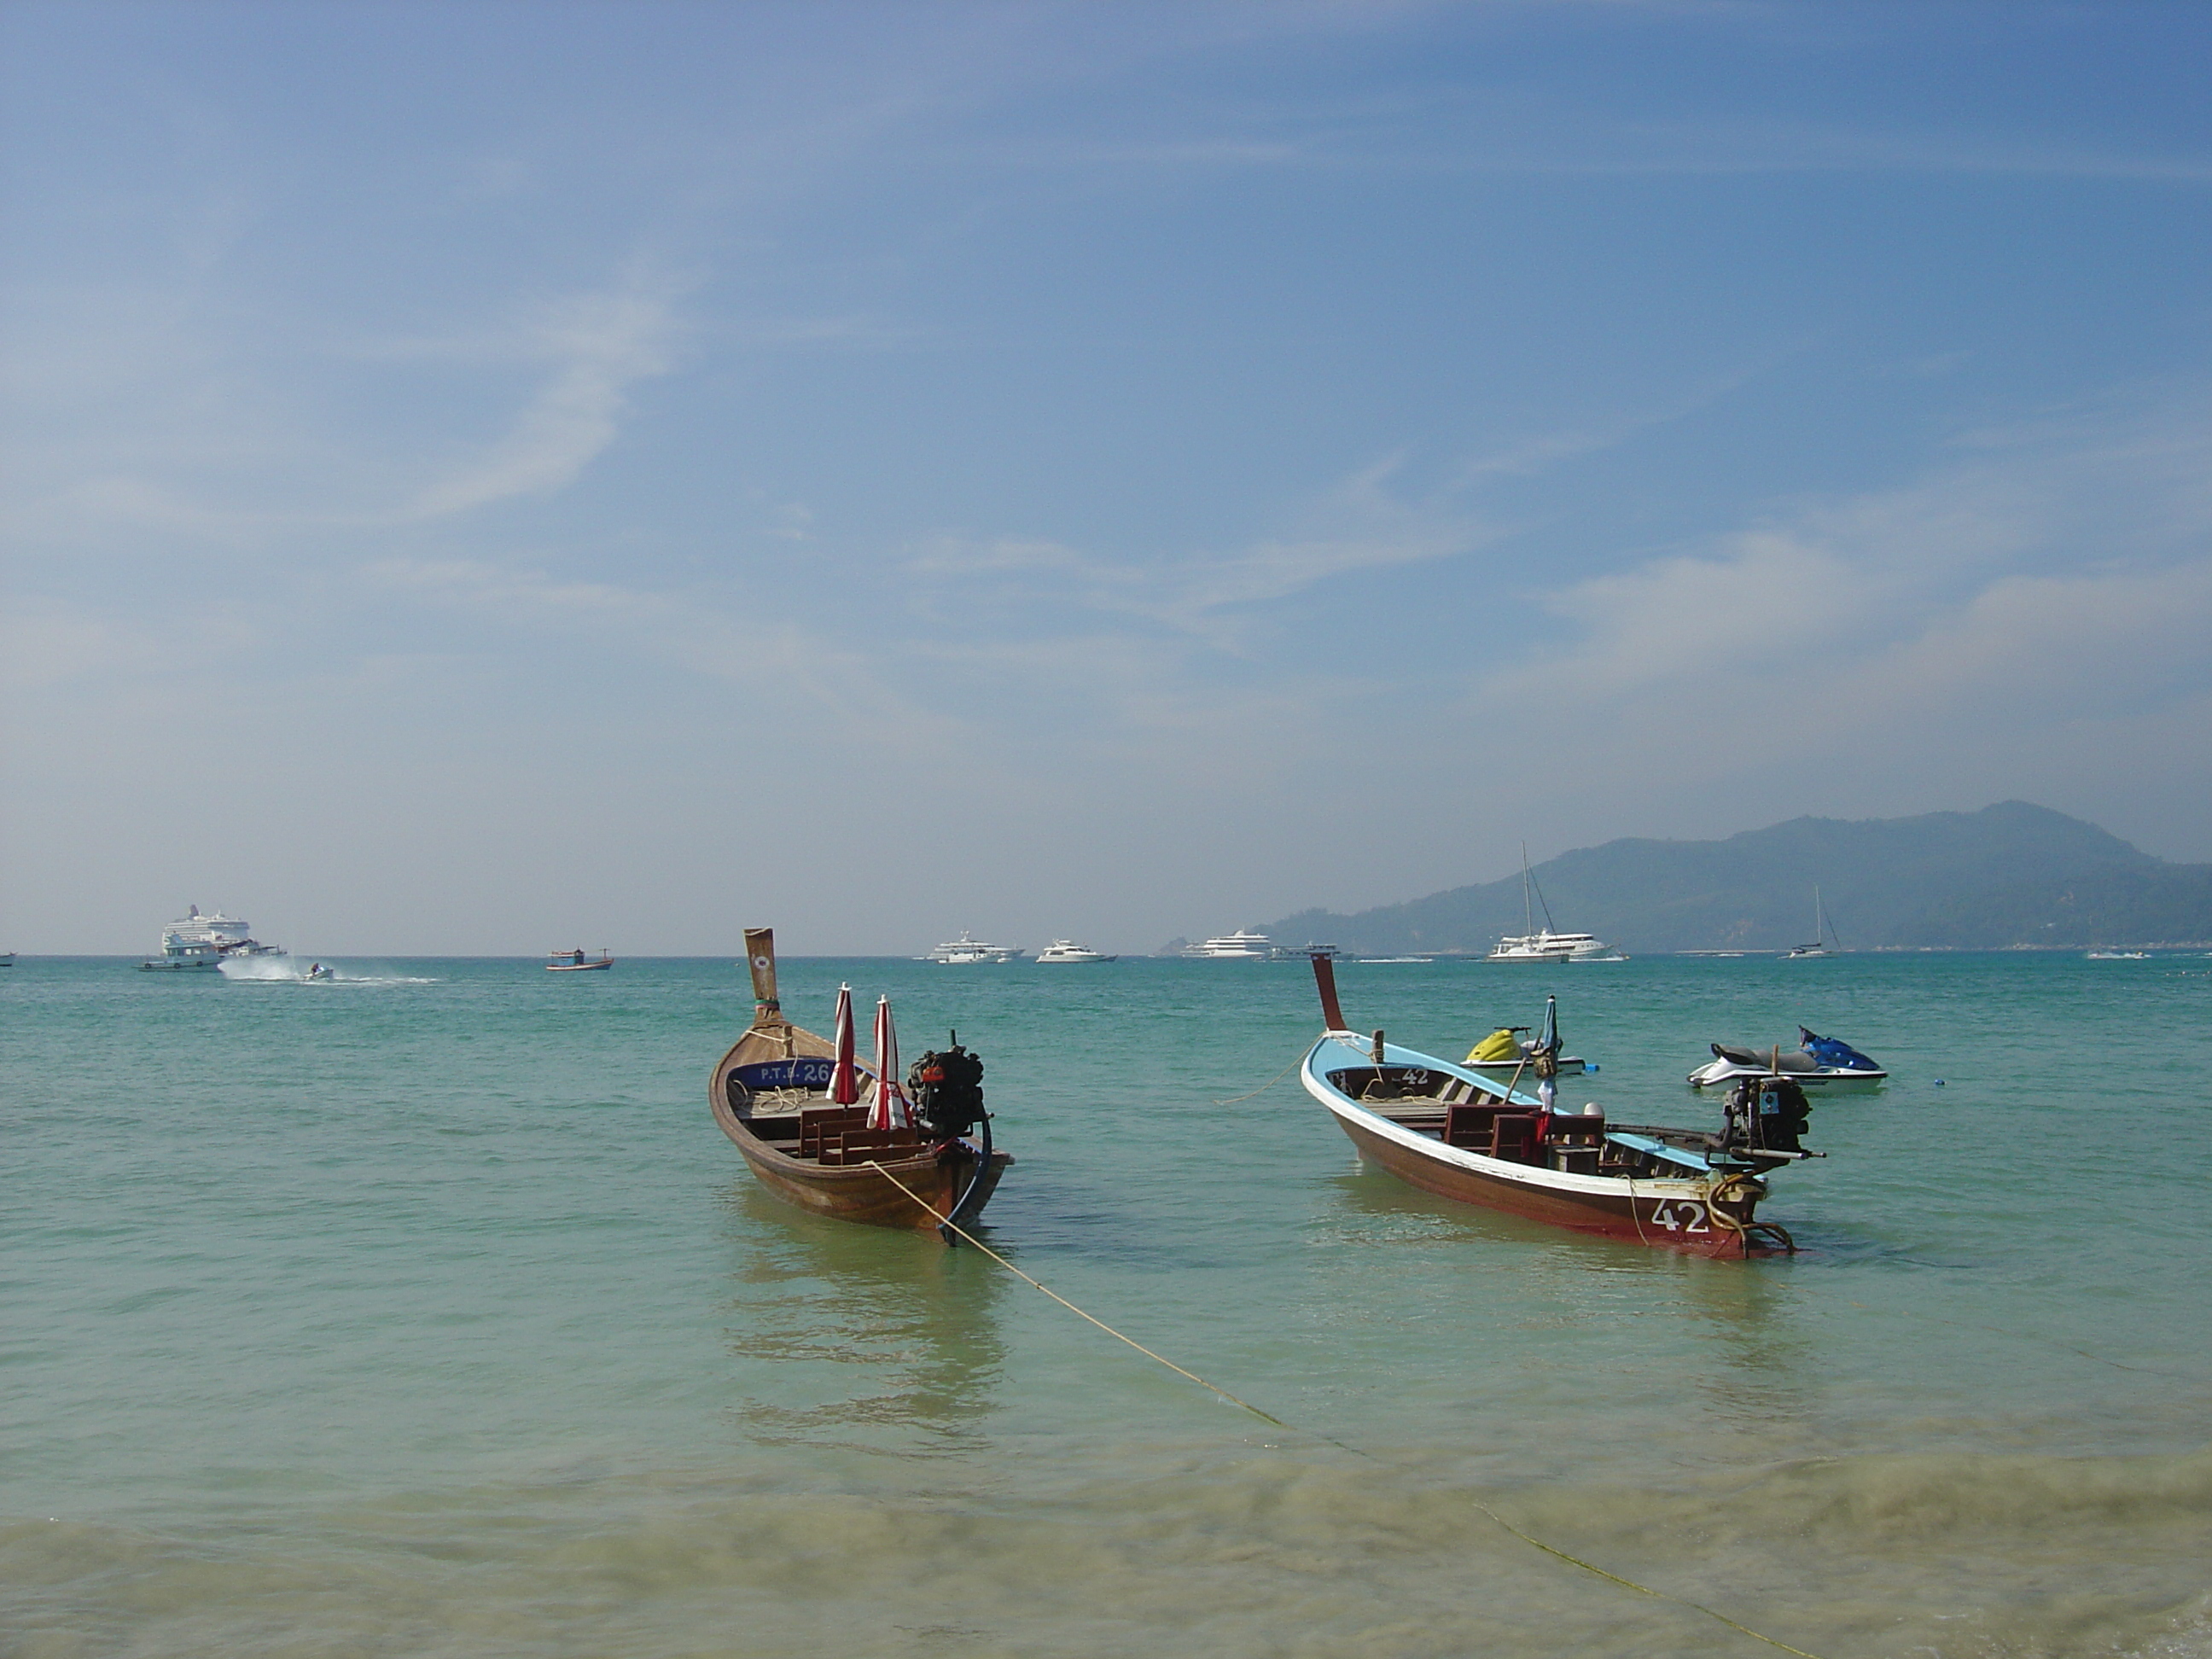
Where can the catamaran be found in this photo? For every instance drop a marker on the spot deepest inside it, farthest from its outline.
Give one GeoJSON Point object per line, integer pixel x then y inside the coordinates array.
{"type": "Point", "coordinates": [1543, 944]}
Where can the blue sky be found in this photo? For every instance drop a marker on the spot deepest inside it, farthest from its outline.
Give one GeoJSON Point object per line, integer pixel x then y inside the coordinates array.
{"type": "Point", "coordinates": [484, 476]}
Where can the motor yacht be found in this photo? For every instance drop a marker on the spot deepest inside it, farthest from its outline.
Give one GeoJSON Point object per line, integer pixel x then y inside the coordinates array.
{"type": "Point", "coordinates": [1305, 953]}
{"type": "Point", "coordinates": [1066, 949]}
{"type": "Point", "coordinates": [1243, 945]}
{"type": "Point", "coordinates": [201, 942]}
{"type": "Point", "coordinates": [967, 949]}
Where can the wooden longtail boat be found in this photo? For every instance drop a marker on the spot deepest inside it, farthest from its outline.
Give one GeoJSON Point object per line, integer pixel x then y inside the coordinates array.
{"type": "Point", "coordinates": [1448, 1130]}
{"type": "Point", "coordinates": [770, 1093]}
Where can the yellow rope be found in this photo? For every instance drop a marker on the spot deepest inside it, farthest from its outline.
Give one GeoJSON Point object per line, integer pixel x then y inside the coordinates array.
{"type": "Point", "coordinates": [1575, 1560]}
{"type": "Point", "coordinates": [1072, 1308]}
{"type": "Point", "coordinates": [1264, 1087]}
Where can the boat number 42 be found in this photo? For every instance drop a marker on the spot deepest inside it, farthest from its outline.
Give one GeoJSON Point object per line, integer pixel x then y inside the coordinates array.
{"type": "Point", "coordinates": [1680, 1216]}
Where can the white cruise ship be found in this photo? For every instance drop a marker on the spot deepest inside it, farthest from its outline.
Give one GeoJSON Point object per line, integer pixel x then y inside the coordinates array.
{"type": "Point", "coordinates": [966, 949]}
{"type": "Point", "coordinates": [1243, 945]}
{"type": "Point", "coordinates": [196, 942]}
{"type": "Point", "coordinates": [1066, 949]}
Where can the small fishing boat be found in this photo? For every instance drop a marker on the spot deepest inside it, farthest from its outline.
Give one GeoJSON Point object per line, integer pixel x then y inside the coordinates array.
{"type": "Point", "coordinates": [575, 962]}
{"type": "Point", "coordinates": [1826, 1065]}
{"type": "Point", "coordinates": [805, 1114]}
{"type": "Point", "coordinates": [1446, 1130]}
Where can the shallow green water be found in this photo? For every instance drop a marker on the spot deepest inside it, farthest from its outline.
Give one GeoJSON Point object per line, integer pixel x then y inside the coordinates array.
{"type": "Point", "coordinates": [427, 1312]}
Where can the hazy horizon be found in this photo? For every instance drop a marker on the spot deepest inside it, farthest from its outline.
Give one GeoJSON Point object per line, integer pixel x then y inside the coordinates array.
{"type": "Point", "coordinates": [486, 476]}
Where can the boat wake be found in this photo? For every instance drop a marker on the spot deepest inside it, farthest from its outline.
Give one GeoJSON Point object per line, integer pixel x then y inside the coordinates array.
{"type": "Point", "coordinates": [289, 970]}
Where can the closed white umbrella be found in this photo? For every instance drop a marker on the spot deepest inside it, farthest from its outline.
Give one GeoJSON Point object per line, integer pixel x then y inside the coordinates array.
{"type": "Point", "coordinates": [844, 1081]}
{"type": "Point", "coordinates": [890, 1112]}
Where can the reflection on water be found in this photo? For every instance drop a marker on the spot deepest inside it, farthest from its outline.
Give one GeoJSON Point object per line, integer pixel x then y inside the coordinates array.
{"type": "Point", "coordinates": [1735, 1334]}
{"type": "Point", "coordinates": [865, 1337]}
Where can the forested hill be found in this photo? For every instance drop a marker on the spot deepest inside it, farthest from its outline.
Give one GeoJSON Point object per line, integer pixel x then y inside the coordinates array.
{"type": "Point", "coordinates": [2009, 874]}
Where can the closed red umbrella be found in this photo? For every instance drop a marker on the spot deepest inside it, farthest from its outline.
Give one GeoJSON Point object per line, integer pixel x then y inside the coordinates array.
{"type": "Point", "coordinates": [889, 1111]}
{"type": "Point", "coordinates": [844, 1081]}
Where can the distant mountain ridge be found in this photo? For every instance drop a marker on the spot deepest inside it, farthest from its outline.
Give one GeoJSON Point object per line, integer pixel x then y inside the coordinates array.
{"type": "Point", "coordinates": [2011, 874]}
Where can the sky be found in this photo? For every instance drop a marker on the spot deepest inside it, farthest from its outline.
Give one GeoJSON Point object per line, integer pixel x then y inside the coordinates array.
{"type": "Point", "coordinates": [479, 477]}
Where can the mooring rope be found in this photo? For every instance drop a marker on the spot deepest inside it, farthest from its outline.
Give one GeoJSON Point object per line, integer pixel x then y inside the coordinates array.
{"type": "Point", "coordinates": [1264, 1087]}
{"type": "Point", "coordinates": [1356, 1451]}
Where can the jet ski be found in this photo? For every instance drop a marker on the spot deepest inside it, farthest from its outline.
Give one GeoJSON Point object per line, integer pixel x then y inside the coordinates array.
{"type": "Point", "coordinates": [1825, 1065]}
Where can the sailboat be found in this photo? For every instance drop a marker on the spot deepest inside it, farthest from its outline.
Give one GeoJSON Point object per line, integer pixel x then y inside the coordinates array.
{"type": "Point", "coordinates": [1823, 935]}
{"type": "Point", "coordinates": [1543, 944]}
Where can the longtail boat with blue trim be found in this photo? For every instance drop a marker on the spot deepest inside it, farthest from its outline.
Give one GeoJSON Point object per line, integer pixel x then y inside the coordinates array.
{"type": "Point", "coordinates": [1449, 1130]}
{"type": "Point", "coordinates": [820, 1131]}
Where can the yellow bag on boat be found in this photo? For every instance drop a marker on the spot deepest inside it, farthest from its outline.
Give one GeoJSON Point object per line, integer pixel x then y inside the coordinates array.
{"type": "Point", "coordinates": [1499, 1045]}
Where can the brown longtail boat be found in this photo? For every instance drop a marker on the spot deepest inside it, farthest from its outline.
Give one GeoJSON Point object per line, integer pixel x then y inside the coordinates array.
{"type": "Point", "coordinates": [771, 1094]}
{"type": "Point", "coordinates": [1448, 1130]}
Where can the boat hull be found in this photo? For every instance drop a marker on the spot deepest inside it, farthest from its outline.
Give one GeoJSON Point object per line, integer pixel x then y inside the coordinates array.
{"type": "Point", "coordinates": [1672, 1214]}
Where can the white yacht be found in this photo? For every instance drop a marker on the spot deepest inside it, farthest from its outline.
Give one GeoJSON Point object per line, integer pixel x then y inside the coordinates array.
{"type": "Point", "coordinates": [195, 942]}
{"type": "Point", "coordinates": [1545, 945]}
{"type": "Point", "coordinates": [1066, 949]}
{"type": "Point", "coordinates": [967, 949]}
{"type": "Point", "coordinates": [1243, 945]}
{"type": "Point", "coordinates": [1542, 944]}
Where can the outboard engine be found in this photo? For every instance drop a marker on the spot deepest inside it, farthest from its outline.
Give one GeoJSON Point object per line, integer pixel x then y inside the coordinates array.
{"type": "Point", "coordinates": [1765, 1115]}
{"type": "Point", "coordinates": [947, 1090]}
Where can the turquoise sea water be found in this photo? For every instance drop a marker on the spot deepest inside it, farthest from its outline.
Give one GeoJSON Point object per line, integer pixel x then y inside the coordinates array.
{"type": "Point", "coordinates": [427, 1312]}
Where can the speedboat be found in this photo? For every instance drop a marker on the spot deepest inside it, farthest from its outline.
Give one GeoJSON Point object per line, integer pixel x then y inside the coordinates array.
{"type": "Point", "coordinates": [1243, 945]}
{"type": "Point", "coordinates": [1066, 949]}
{"type": "Point", "coordinates": [196, 942]}
{"type": "Point", "coordinates": [967, 949]}
{"type": "Point", "coordinates": [1825, 1065]}
{"type": "Point", "coordinates": [1452, 1132]}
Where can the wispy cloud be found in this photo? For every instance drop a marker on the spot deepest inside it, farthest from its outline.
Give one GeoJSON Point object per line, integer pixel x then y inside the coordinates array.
{"type": "Point", "coordinates": [600, 347]}
{"type": "Point", "coordinates": [1215, 599]}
